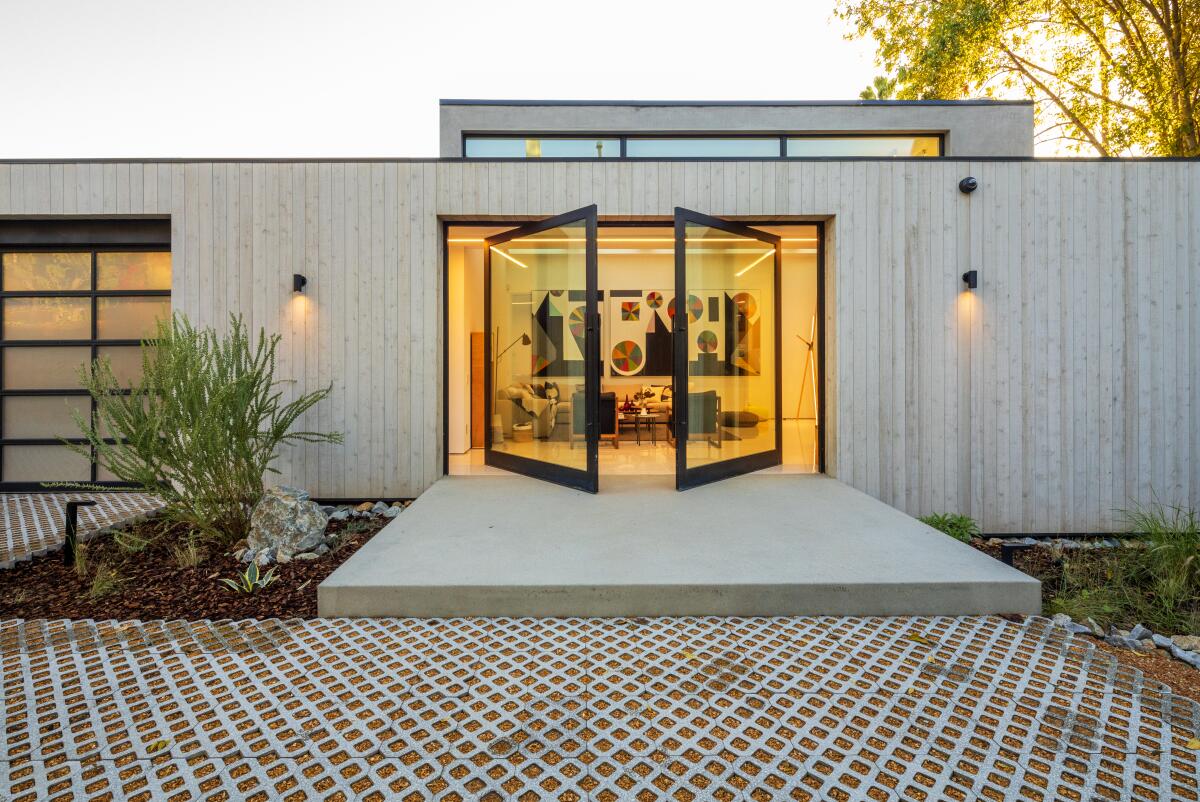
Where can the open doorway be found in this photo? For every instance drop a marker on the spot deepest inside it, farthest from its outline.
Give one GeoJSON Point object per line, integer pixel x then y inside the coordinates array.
{"type": "Point", "coordinates": [537, 382]}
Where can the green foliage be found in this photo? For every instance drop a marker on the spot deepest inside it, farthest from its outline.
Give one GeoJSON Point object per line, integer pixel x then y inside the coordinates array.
{"type": "Point", "coordinates": [959, 527]}
{"type": "Point", "coordinates": [188, 554]}
{"type": "Point", "coordinates": [104, 581]}
{"type": "Point", "coordinates": [202, 427]}
{"type": "Point", "coordinates": [1158, 585]}
{"type": "Point", "coordinates": [882, 88]}
{"type": "Point", "coordinates": [250, 580]}
{"type": "Point", "coordinates": [81, 560]}
{"type": "Point", "coordinates": [130, 542]}
{"type": "Point", "coordinates": [1111, 76]}
{"type": "Point", "coordinates": [357, 527]}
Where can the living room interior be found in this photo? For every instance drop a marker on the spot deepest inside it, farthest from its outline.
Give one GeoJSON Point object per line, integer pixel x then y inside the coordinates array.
{"type": "Point", "coordinates": [537, 338]}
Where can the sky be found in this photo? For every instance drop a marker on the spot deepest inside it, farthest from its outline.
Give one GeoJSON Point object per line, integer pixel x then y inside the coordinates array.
{"type": "Point", "coordinates": [266, 78]}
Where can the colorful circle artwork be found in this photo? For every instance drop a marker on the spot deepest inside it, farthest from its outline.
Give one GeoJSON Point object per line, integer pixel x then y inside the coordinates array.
{"type": "Point", "coordinates": [745, 304]}
{"type": "Point", "coordinates": [706, 341]}
{"type": "Point", "coordinates": [671, 309]}
{"type": "Point", "coordinates": [577, 323]}
{"type": "Point", "coordinates": [695, 309]}
{"type": "Point", "coordinates": [626, 357]}
{"type": "Point", "coordinates": [654, 299]}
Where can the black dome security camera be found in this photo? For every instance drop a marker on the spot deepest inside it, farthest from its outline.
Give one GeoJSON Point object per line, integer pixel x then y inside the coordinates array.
{"type": "Point", "coordinates": [968, 185]}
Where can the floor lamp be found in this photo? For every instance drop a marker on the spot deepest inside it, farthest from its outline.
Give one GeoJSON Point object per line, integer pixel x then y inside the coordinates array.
{"type": "Point", "coordinates": [810, 366]}
{"type": "Point", "coordinates": [497, 426]}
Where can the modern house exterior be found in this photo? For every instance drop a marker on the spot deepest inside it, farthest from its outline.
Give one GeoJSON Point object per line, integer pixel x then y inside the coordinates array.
{"type": "Point", "coordinates": [895, 294]}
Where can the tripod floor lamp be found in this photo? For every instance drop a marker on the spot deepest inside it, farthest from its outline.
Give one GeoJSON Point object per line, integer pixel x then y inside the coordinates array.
{"type": "Point", "coordinates": [810, 371]}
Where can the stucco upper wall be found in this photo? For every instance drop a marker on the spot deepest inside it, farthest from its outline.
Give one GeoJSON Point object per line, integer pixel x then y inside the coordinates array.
{"type": "Point", "coordinates": [971, 128]}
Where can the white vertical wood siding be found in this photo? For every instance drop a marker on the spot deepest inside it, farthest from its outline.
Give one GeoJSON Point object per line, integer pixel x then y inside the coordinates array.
{"type": "Point", "coordinates": [1063, 389]}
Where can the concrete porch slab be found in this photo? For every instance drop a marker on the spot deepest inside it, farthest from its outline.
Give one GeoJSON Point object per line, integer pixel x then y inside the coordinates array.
{"type": "Point", "coordinates": [754, 545]}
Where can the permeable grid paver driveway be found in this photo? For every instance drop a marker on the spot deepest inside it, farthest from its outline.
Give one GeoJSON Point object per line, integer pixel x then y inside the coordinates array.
{"type": "Point", "coordinates": [584, 709]}
{"type": "Point", "coordinates": [32, 524]}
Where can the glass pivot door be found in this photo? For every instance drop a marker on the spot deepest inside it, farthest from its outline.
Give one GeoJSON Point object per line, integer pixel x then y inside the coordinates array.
{"type": "Point", "coordinates": [542, 352]}
{"type": "Point", "coordinates": [726, 312]}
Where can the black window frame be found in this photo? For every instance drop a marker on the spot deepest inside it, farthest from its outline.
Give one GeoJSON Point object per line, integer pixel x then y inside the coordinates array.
{"type": "Point", "coordinates": [624, 136]}
{"type": "Point", "coordinates": [94, 343]}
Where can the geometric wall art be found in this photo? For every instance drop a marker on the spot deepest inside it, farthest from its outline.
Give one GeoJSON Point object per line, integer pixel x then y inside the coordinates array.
{"type": "Point", "coordinates": [557, 330]}
{"type": "Point", "coordinates": [725, 332]}
{"type": "Point", "coordinates": [638, 318]}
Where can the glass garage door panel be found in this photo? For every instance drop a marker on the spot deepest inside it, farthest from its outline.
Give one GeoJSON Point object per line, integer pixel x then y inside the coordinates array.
{"type": "Point", "coordinates": [542, 356]}
{"type": "Point", "coordinates": [726, 349]}
{"type": "Point", "coordinates": [60, 310]}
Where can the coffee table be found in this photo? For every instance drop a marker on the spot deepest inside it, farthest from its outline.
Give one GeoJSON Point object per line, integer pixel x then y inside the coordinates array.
{"type": "Point", "coordinates": [649, 421]}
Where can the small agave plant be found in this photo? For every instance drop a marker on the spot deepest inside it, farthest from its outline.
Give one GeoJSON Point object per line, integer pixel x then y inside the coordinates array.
{"type": "Point", "coordinates": [250, 580]}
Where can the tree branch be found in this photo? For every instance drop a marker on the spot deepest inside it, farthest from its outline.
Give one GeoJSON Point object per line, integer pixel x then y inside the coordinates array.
{"type": "Point", "coordinates": [1071, 115]}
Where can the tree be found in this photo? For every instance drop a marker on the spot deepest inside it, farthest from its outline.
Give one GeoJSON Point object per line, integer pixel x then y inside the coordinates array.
{"type": "Point", "coordinates": [882, 88]}
{"type": "Point", "coordinates": [1115, 77]}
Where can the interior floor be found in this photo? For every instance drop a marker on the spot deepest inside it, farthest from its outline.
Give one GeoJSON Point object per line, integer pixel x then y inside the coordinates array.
{"type": "Point", "coordinates": [650, 458]}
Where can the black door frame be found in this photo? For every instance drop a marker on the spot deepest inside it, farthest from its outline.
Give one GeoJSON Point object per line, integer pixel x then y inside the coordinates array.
{"type": "Point", "coordinates": [588, 479]}
{"type": "Point", "coordinates": [686, 477]}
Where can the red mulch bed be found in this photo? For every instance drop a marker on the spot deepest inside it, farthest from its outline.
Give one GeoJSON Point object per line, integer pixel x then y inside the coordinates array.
{"type": "Point", "coordinates": [153, 585]}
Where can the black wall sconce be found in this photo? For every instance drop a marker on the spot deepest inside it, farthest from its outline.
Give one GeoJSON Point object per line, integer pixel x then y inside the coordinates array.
{"type": "Point", "coordinates": [971, 279]}
{"type": "Point", "coordinates": [968, 185]}
{"type": "Point", "coordinates": [298, 282]}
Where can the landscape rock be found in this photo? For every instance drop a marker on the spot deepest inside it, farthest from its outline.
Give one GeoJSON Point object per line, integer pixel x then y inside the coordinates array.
{"type": "Point", "coordinates": [1061, 619]}
{"type": "Point", "coordinates": [307, 555]}
{"type": "Point", "coordinates": [321, 550]}
{"type": "Point", "coordinates": [364, 507]}
{"type": "Point", "coordinates": [1161, 641]}
{"type": "Point", "coordinates": [298, 493]}
{"type": "Point", "coordinates": [391, 512]}
{"type": "Point", "coordinates": [1140, 632]}
{"type": "Point", "coordinates": [283, 524]}
{"type": "Point", "coordinates": [1189, 657]}
{"type": "Point", "coordinates": [379, 508]}
{"type": "Point", "coordinates": [340, 515]}
{"type": "Point", "coordinates": [1075, 628]}
{"type": "Point", "coordinates": [1094, 627]}
{"type": "Point", "coordinates": [1189, 643]}
{"type": "Point", "coordinates": [328, 509]}
{"type": "Point", "coordinates": [1125, 642]}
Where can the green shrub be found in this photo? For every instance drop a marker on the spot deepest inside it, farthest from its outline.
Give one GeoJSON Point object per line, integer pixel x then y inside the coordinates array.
{"type": "Point", "coordinates": [203, 425]}
{"type": "Point", "coordinates": [959, 527]}
{"type": "Point", "coordinates": [106, 580]}
{"type": "Point", "coordinates": [1158, 585]}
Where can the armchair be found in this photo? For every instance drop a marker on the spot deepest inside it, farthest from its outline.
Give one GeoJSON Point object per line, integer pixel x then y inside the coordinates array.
{"type": "Point", "coordinates": [610, 420]}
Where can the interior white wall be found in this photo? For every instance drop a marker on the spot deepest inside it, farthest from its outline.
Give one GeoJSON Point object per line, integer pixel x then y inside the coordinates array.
{"type": "Point", "coordinates": [799, 282]}
{"type": "Point", "coordinates": [464, 291]}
